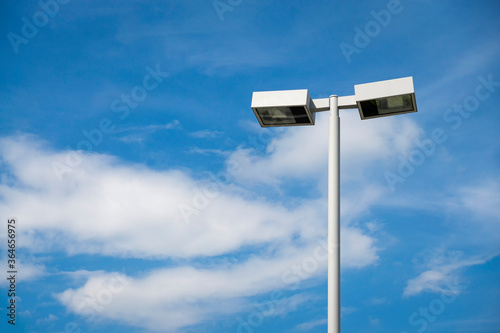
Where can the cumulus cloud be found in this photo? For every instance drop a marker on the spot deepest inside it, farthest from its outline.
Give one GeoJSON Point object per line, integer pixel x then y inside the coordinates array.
{"type": "Point", "coordinates": [302, 152]}
{"type": "Point", "coordinates": [105, 207]}
{"type": "Point", "coordinates": [182, 296]}
{"type": "Point", "coordinates": [100, 205]}
{"type": "Point", "coordinates": [358, 249]}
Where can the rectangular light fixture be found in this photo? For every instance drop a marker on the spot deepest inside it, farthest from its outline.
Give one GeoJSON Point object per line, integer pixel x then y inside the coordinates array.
{"type": "Point", "coordinates": [283, 108]}
{"type": "Point", "coordinates": [385, 98]}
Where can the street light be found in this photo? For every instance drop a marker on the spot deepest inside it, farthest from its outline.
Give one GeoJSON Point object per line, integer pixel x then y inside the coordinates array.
{"type": "Point", "coordinates": [296, 108]}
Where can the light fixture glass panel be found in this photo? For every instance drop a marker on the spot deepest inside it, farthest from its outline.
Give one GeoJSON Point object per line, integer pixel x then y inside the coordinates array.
{"type": "Point", "coordinates": [280, 113]}
{"type": "Point", "coordinates": [387, 106]}
{"type": "Point", "coordinates": [395, 104]}
{"type": "Point", "coordinates": [283, 115]}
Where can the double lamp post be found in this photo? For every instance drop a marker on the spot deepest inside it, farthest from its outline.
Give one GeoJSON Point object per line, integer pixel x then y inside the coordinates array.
{"type": "Point", "coordinates": [295, 108]}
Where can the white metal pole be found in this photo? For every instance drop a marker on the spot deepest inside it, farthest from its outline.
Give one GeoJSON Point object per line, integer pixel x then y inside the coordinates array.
{"type": "Point", "coordinates": [334, 218]}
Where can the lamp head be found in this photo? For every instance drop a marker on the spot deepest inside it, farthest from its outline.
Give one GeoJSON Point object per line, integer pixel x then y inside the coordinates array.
{"type": "Point", "coordinates": [385, 98]}
{"type": "Point", "coordinates": [283, 108]}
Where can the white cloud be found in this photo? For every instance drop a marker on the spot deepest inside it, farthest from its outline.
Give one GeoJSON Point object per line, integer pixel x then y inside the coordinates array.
{"type": "Point", "coordinates": [181, 296]}
{"type": "Point", "coordinates": [150, 128]}
{"type": "Point", "coordinates": [378, 301]}
{"type": "Point", "coordinates": [365, 144]}
{"type": "Point", "coordinates": [290, 304]}
{"type": "Point", "coordinates": [358, 249]}
{"type": "Point", "coordinates": [105, 207]}
{"type": "Point", "coordinates": [302, 152]}
{"type": "Point", "coordinates": [311, 324]}
{"type": "Point", "coordinates": [443, 273]}
{"type": "Point", "coordinates": [470, 62]}
{"type": "Point", "coordinates": [346, 310]}
{"type": "Point", "coordinates": [430, 281]}
{"type": "Point", "coordinates": [482, 200]}
{"type": "Point", "coordinates": [27, 269]}
{"type": "Point", "coordinates": [475, 214]}
{"type": "Point", "coordinates": [186, 296]}
{"type": "Point", "coordinates": [196, 150]}
{"type": "Point", "coordinates": [43, 321]}
{"type": "Point", "coordinates": [206, 134]}
{"type": "Point", "coordinates": [137, 134]}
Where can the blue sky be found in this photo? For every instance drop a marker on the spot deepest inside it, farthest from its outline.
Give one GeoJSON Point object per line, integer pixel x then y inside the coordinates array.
{"type": "Point", "coordinates": [148, 198]}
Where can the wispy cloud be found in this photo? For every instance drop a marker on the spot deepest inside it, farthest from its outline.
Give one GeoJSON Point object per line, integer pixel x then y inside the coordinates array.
{"type": "Point", "coordinates": [206, 151]}
{"type": "Point", "coordinates": [29, 269]}
{"type": "Point", "coordinates": [470, 62]}
{"type": "Point", "coordinates": [150, 128]}
{"type": "Point", "coordinates": [50, 319]}
{"type": "Point", "coordinates": [482, 200]}
{"type": "Point", "coordinates": [378, 301]}
{"type": "Point", "coordinates": [311, 324]}
{"type": "Point", "coordinates": [137, 134]}
{"type": "Point", "coordinates": [479, 324]}
{"type": "Point", "coordinates": [206, 134]}
{"type": "Point", "coordinates": [443, 274]}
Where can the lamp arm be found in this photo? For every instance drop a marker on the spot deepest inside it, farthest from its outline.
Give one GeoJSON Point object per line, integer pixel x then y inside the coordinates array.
{"type": "Point", "coordinates": [323, 104]}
